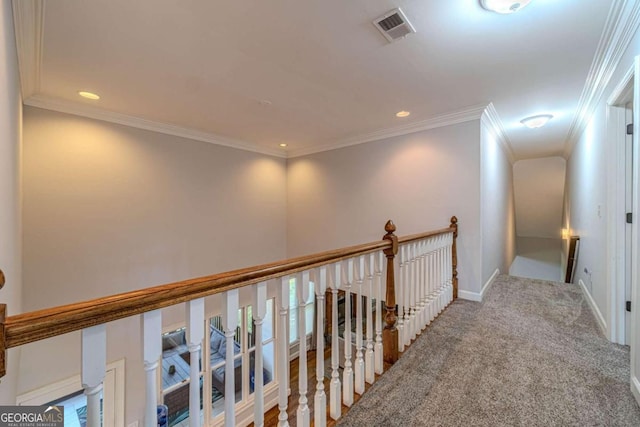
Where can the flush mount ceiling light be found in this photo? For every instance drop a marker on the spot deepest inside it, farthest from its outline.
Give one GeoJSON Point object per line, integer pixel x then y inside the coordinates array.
{"type": "Point", "coordinates": [89, 95]}
{"type": "Point", "coordinates": [504, 6]}
{"type": "Point", "coordinates": [283, 145]}
{"type": "Point", "coordinates": [536, 121]}
{"type": "Point", "coordinates": [403, 113]}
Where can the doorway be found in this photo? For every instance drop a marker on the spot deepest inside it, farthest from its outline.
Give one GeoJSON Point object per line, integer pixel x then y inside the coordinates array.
{"type": "Point", "coordinates": [620, 202]}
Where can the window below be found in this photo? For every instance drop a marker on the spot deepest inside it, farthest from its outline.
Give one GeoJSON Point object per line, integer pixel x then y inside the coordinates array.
{"type": "Point", "coordinates": [176, 365]}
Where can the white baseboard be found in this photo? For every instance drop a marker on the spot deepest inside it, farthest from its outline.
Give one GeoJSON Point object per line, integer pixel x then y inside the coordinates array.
{"type": "Point", "coordinates": [470, 296]}
{"type": "Point", "coordinates": [594, 307]}
{"type": "Point", "coordinates": [635, 389]}
{"type": "Point", "coordinates": [475, 296]}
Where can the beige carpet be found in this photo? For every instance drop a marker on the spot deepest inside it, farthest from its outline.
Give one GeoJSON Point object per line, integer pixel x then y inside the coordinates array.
{"type": "Point", "coordinates": [530, 355]}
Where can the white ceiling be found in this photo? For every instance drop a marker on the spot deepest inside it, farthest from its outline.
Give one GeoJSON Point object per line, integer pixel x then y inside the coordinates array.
{"type": "Point", "coordinates": [327, 72]}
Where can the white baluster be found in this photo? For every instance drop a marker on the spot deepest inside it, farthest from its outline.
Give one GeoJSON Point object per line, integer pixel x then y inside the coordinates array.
{"type": "Point", "coordinates": [443, 279]}
{"type": "Point", "coordinates": [430, 285]}
{"type": "Point", "coordinates": [320, 399]}
{"type": "Point", "coordinates": [450, 268]}
{"type": "Point", "coordinates": [408, 326]}
{"type": "Point", "coordinates": [347, 373]}
{"type": "Point", "coordinates": [94, 364]}
{"type": "Point", "coordinates": [359, 365]}
{"type": "Point", "coordinates": [438, 282]}
{"type": "Point", "coordinates": [258, 311]}
{"type": "Point", "coordinates": [408, 289]}
{"type": "Point", "coordinates": [302, 287]}
{"type": "Point", "coordinates": [378, 350]}
{"type": "Point", "coordinates": [195, 334]}
{"type": "Point", "coordinates": [413, 280]}
{"type": "Point", "coordinates": [370, 374]}
{"type": "Point", "coordinates": [446, 269]}
{"type": "Point", "coordinates": [230, 323]}
{"type": "Point", "coordinates": [423, 284]}
{"type": "Point", "coordinates": [335, 397]}
{"type": "Point", "coordinates": [402, 283]}
{"type": "Point", "coordinates": [283, 353]}
{"type": "Point", "coordinates": [420, 296]}
{"type": "Point", "coordinates": [151, 325]}
{"type": "Point", "coordinates": [438, 269]}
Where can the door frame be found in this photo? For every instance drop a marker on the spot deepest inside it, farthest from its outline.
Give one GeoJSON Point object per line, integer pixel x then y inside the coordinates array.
{"type": "Point", "coordinates": [635, 241]}
{"type": "Point", "coordinates": [616, 267]}
{"type": "Point", "coordinates": [113, 393]}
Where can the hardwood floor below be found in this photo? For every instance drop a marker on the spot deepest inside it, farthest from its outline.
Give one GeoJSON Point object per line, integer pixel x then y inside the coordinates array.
{"type": "Point", "coordinates": [271, 416]}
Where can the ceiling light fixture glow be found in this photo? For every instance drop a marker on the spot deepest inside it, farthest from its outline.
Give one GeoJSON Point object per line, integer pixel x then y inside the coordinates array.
{"type": "Point", "coordinates": [504, 6]}
{"type": "Point", "coordinates": [283, 145]}
{"type": "Point", "coordinates": [89, 95]}
{"type": "Point", "coordinates": [536, 121]}
{"type": "Point", "coordinates": [403, 113]}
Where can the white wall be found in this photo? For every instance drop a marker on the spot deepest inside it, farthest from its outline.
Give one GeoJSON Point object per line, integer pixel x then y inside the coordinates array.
{"type": "Point", "coordinates": [345, 196]}
{"type": "Point", "coordinates": [497, 204]}
{"type": "Point", "coordinates": [108, 208]}
{"type": "Point", "coordinates": [587, 187]}
{"type": "Point", "coordinates": [539, 195]}
{"type": "Point", "coordinates": [10, 147]}
{"type": "Point", "coordinates": [586, 207]}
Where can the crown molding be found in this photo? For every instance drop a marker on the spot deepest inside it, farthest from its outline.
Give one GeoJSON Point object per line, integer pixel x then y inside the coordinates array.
{"type": "Point", "coordinates": [494, 120]}
{"type": "Point", "coordinates": [28, 21]}
{"type": "Point", "coordinates": [619, 29]}
{"type": "Point", "coordinates": [447, 119]}
{"type": "Point", "coordinates": [69, 107]}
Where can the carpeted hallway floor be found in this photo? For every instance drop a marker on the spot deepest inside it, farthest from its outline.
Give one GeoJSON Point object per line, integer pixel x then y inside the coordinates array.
{"type": "Point", "coordinates": [530, 355]}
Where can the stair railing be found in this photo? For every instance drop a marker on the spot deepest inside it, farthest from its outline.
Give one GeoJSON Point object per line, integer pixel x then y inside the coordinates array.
{"type": "Point", "coordinates": [427, 283]}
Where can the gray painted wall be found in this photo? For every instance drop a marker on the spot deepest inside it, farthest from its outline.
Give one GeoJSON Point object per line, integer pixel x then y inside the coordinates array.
{"type": "Point", "coordinates": [345, 196]}
{"type": "Point", "coordinates": [109, 208]}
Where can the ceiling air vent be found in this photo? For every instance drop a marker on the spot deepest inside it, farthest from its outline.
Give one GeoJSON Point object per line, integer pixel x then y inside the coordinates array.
{"type": "Point", "coordinates": [394, 25]}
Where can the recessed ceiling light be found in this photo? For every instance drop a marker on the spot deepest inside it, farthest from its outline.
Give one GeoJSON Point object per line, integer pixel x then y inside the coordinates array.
{"type": "Point", "coordinates": [504, 6]}
{"type": "Point", "coordinates": [283, 145]}
{"type": "Point", "coordinates": [89, 95]}
{"type": "Point", "coordinates": [536, 121]}
{"type": "Point", "coordinates": [403, 113]}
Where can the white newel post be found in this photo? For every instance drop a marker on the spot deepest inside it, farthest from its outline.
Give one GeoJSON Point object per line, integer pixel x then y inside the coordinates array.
{"type": "Point", "coordinates": [230, 307]}
{"type": "Point", "coordinates": [151, 352]}
{"type": "Point", "coordinates": [335, 396]}
{"type": "Point", "coordinates": [320, 399]}
{"type": "Point", "coordinates": [370, 374]}
{"type": "Point", "coordinates": [302, 287]}
{"type": "Point", "coordinates": [283, 353]}
{"type": "Point", "coordinates": [347, 374]}
{"type": "Point", "coordinates": [259, 311]}
{"type": "Point", "coordinates": [379, 353]}
{"type": "Point", "coordinates": [195, 335]}
{"type": "Point", "coordinates": [94, 365]}
{"type": "Point", "coordinates": [359, 366]}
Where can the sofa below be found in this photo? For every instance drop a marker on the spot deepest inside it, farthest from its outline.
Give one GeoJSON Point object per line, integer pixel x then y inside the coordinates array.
{"type": "Point", "coordinates": [218, 349]}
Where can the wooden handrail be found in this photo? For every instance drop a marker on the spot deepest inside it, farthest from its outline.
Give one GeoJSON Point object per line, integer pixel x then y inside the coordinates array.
{"type": "Point", "coordinates": [37, 325]}
{"type": "Point", "coordinates": [420, 236]}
